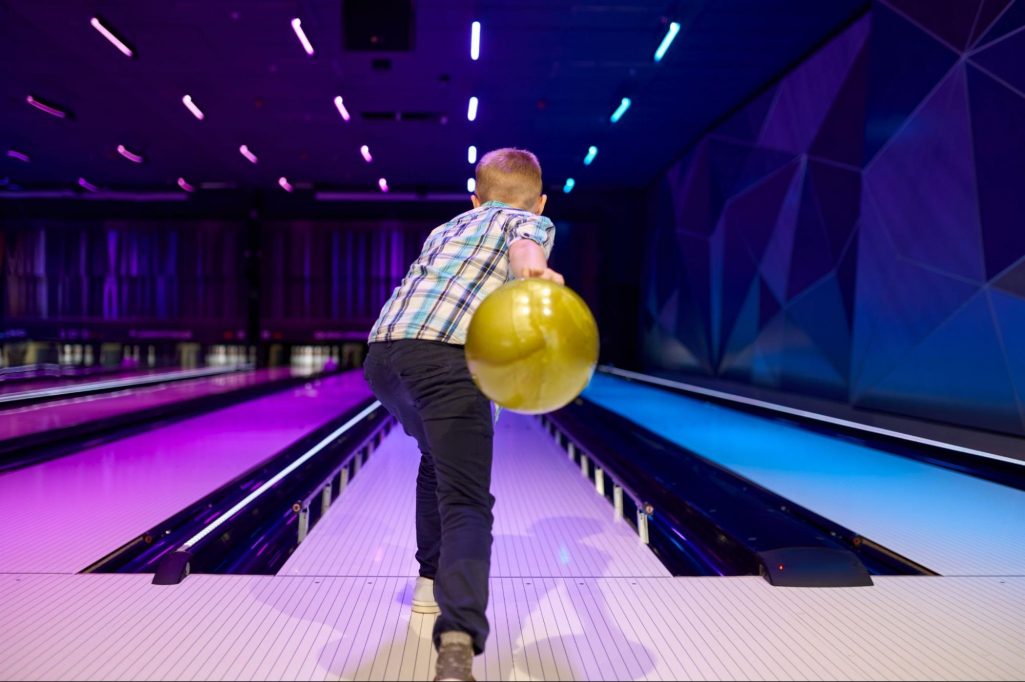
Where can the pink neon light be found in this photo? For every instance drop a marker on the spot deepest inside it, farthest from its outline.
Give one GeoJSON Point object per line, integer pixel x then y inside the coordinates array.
{"type": "Point", "coordinates": [185, 186]}
{"type": "Point", "coordinates": [285, 185]}
{"type": "Point", "coordinates": [383, 184]}
{"type": "Point", "coordinates": [85, 184]}
{"type": "Point", "coordinates": [341, 108]}
{"type": "Point", "coordinates": [53, 111]}
{"type": "Point", "coordinates": [134, 158]}
{"type": "Point", "coordinates": [365, 151]}
{"type": "Point", "coordinates": [125, 50]}
{"type": "Point", "coordinates": [248, 154]}
{"type": "Point", "coordinates": [187, 101]}
{"type": "Point", "coordinates": [298, 28]}
{"type": "Point", "coordinates": [20, 156]}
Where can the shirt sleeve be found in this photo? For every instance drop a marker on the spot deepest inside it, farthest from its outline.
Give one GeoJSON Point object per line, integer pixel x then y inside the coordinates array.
{"type": "Point", "coordinates": [536, 228]}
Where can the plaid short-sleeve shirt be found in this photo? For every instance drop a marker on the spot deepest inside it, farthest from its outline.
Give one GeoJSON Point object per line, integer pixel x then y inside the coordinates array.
{"type": "Point", "coordinates": [461, 262]}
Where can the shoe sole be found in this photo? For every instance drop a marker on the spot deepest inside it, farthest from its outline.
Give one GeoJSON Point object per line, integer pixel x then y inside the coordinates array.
{"type": "Point", "coordinates": [427, 609]}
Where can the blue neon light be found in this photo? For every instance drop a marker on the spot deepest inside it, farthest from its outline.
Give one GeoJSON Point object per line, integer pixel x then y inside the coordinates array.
{"type": "Point", "coordinates": [674, 28]}
{"type": "Point", "coordinates": [620, 110]}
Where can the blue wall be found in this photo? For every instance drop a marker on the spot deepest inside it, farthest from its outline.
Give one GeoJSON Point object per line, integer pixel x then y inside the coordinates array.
{"type": "Point", "coordinates": [857, 230]}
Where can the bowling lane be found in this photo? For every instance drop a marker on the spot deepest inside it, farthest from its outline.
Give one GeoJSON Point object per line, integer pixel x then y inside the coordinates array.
{"type": "Point", "coordinates": [549, 520]}
{"type": "Point", "coordinates": [73, 411]}
{"type": "Point", "coordinates": [12, 388]}
{"type": "Point", "coordinates": [61, 515]}
{"type": "Point", "coordinates": [950, 522]}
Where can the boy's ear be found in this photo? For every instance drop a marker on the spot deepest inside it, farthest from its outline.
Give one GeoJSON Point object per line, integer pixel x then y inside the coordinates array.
{"type": "Point", "coordinates": [475, 200]}
{"type": "Point", "coordinates": [539, 207]}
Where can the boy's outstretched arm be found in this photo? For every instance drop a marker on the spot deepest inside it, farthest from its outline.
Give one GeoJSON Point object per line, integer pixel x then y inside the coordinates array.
{"type": "Point", "coordinates": [527, 259]}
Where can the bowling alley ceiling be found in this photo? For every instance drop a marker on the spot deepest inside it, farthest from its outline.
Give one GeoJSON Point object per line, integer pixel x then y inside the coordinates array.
{"type": "Point", "coordinates": [549, 76]}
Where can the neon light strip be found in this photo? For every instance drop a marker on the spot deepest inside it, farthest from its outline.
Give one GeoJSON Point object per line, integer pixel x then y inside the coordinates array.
{"type": "Point", "coordinates": [134, 158]}
{"type": "Point", "coordinates": [131, 382]}
{"type": "Point", "coordinates": [125, 50]}
{"type": "Point", "coordinates": [341, 108]}
{"type": "Point", "coordinates": [285, 184]}
{"type": "Point", "coordinates": [53, 111]}
{"type": "Point", "coordinates": [592, 152]}
{"type": "Point", "coordinates": [185, 186]}
{"type": "Point", "coordinates": [187, 101]}
{"type": "Point", "coordinates": [85, 184]}
{"type": "Point", "coordinates": [298, 28]}
{"type": "Point", "coordinates": [471, 111]}
{"type": "Point", "coordinates": [475, 41]}
{"type": "Point", "coordinates": [674, 28]}
{"type": "Point", "coordinates": [244, 150]}
{"type": "Point", "coordinates": [620, 110]}
{"type": "Point", "coordinates": [809, 415]}
{"type": "Point", "coordinates": [365, 151]}
{"type": "Point", "coordinates": [191, 542]}
{"type": "Point", "coordinates": [20, 156]}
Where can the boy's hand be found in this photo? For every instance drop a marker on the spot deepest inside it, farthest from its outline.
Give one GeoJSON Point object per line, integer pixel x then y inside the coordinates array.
{"type": "Point", "coordinates": [547, 273]}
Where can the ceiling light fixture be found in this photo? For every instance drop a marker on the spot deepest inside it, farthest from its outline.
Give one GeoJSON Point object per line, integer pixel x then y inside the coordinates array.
{"type": "Point", "coordinates": [187, 101]}
{"type": "Point", "coordinates": [674, 28]}
{"type": "Point", "coordinates": [570, 184]}
{"type": "Point", "coordinates": [471, 185]}
{"type": "Point", "coordinates": [85, 184]}
{"type": "Point", "coordinates": [383, 184]}
{"type": "Point", "coordinates": [297, 26]}
{"type": "Point", "coordinates": [48, 108]}
{"type": "Point", "coordinates": [620, 110]}
{"type": "Point", "coordinates": [109, 35]}
{"type": "Point", "coordinates": [365, 151]}
{"type": "Point", "coordinates": [20, 156]}
{"type": "Point", "coordinates": [471, 111]}
{"type": "Point", "coordinates": [475, 41]}
{"type": "Point", "coordinates": [285, 184]}
{"type": "Point", "coordinates": [471, 154]}
{"type": "Point", "coordinates": [134, 158]}
{"type": "Point", "coordinates": [592, 152]}
{"type": "Point", "coordinates": [244, 150]}
{"type": "Point", "coordinates": [341, 108]}
{"type": "Point", "coordinates": [185, 186]}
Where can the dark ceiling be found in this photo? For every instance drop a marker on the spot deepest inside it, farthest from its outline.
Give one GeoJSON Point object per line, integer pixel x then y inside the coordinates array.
{"type": "Point", "coordinates": [550, 74]}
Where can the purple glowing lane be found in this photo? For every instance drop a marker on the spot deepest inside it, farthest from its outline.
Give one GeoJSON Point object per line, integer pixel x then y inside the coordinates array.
{"type": "Point", "coordinates": [191, 106]}
{"type": "Point", "coordinates": [112, 493]}
{"type": "Point", "coordinates": [340, 105]}
{"type": "Point", "coordinates": [285, 184]}
{"type": "Point", "coordinates": [244, 151]}
{"type": "Point", "coordinates": [128, 154]}
{"type": "Point", "coordinates": [185, 186]}
{"type": "Point", "coordinates": [365, 151]}
{"type": "Point", "coordinates": [86, 185]}
{"type": "Point", "coordinates": [109, 35]}
{"type": "Point", "coordinates": [297, 26]}
{"type": "Point", "coordinates": [48, 108]}
{"type": "Point", "coordinates": [20, 156]}
{"type": "Point", "coordinates": [14, 387]}
{"type": "Point", "coordinates": [72, 411]}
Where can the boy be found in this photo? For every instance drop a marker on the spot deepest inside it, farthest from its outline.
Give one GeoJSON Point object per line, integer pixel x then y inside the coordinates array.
{"type": "Point", "coordinates": [416, 367]}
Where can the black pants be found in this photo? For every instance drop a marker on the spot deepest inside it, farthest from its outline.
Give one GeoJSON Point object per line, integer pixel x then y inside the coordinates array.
{"type": "Point", "coordinates": [427, 387]}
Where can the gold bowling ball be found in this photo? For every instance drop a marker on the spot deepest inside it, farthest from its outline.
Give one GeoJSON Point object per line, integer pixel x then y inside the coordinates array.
{"type": "Point", "coordinates": [532, 346]}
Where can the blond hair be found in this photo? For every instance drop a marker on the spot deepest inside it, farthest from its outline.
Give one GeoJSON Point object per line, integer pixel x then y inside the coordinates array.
{"type": "Point", "coordinates": [512, 176]}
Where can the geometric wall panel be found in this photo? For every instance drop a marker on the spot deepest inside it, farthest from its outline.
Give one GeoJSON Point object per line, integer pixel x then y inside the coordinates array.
{"type": "Point", "coordinates": [858, 230]}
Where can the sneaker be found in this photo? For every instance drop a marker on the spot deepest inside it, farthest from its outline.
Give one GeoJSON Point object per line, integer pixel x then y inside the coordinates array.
{"type": "Point", "coordinates": [455, 658]}
{"type": "Point", "coordinates": [423, 597]}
